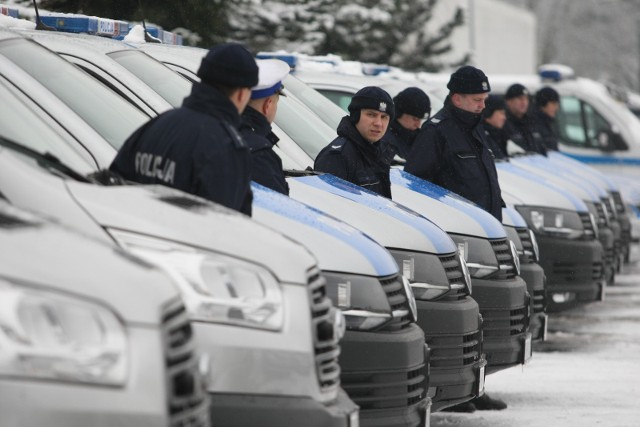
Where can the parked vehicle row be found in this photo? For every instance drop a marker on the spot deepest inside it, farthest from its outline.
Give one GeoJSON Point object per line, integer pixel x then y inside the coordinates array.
{"type": "Point", "coordinates": [334, 306]}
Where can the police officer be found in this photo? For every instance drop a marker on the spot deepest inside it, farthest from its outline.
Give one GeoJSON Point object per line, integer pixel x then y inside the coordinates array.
{"type": "Point", "coordinates": [520, 127]}
{"type": "Point", "coordinates": [494, 118]}
{"type": "Point", "coordinates": [412, 107]}
{"type": "Point", "coordinates": [197, 148]}
{"type": "Point", "coordinates": [266, 166]}
{"type": "Point", "coordinates": [359, 154]}
{"type": "Point", "coordinates": [451, 149]}
{"type": "Point", "coordinates": [547, 104]}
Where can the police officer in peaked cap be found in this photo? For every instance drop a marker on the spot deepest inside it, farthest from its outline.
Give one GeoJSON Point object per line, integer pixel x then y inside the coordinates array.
{"type": "Point", "coordinates": [266, 165]}
{"type": "Point", "coordinates": [197, 147]}
{"type": "Point", "coordinates": [359, 154]}
{"type": "Point", "coordinates": [451, 149]}
{"type": "Point", "coordinates": [412, 106]}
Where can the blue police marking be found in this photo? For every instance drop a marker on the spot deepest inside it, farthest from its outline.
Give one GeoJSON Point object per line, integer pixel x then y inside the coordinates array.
{"type": "Point", "coordinates": [334, 185]}
{"type": "Point", "coordinates": [605, 160]}
{"type": "Point", "coordinates": [491, 226]}
{"type": "Point", "coordinates": [285, 206]}
{"type": "Point", "coordinates": [576, 202]}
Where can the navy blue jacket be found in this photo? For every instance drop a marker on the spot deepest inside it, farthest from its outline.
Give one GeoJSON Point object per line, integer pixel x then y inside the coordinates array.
{"type": "Point", "coordinates": [195, 148]}
{"type": "Point", "coordinates": [356, 160]}
{"type": "Point", "coordinates": [522, 131]}
{"type": "Point", "coordinates": [496, 141]}
{"type": "Point", "coordinates": [546, 127]}
{"type": "Point", "coordinates": [401, 138]}
{"type": "Point", "coordinates": [451, 151]}
{"type": "Point", "coordinates": [266, 165]}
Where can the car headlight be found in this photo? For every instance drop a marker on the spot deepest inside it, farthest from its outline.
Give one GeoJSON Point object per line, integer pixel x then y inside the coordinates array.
{"type": "Point", "coordinates": [427, 273]}
{"type": "Point", "coordinates": [553, 222]}
{"type": "Point", "coordinates": [215, 288]}
{"type": "Point", "coordinates": [361, 299]}
{"type": "Point", "coordinates": [534, 244]}
{"type": "Point", "coordinates": [478, 253]}
{"type": "Point", "coordinates": [54, 336]}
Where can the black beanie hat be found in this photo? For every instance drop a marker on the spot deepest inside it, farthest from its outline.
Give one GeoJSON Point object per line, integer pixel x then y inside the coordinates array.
{"type": "Point", "coordinates": [467, 80]}
{"type": "Point", "coordinates": [492, 104]}
{"type": "Point", "coordinates": [413, 101]}
{"type": "Point", "coordinates": [230, 65]}
{"type": "Point", "coordinates": [516, 90]}
{"type": "Point", "coordinates": [545, 95]}
{"type": "Point", "coordinates": [371, 97]}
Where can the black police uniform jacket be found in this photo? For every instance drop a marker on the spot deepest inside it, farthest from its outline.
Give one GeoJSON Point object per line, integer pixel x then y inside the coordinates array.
{"type": "Point", "coordinates": [356, 160]}
{"type": "Point", "coordinates": [195, 148]}
{"type": "Point", "coordinates": [401, 138]}
{"type": "Point", "coordinates": [496, 141]}
{"type": "Point", "coordinates": [523, 132]}
{"type": "Point", "coordinates": [266, 165]}
{"type": "Point", "coordinates": [546, 127]}
{"type": "Point", "coordinates": [451, 151]}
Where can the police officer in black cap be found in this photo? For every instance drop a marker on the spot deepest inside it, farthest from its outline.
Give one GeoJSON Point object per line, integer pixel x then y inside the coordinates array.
{"type": "Point", "coordinates": [359, 154]}
{"type": "Point", "coordinates": [520, 127]}
{"type": "Point", "coordinates": [494, 117]}
{"type": "Point", "coordinates": [412, 107]}
{"type": "Point", "coordinates": [197, 148]}
{"type": "Point", "coordinates": [451, 149]}
{"type": "Point", "coordinates": [547, 104]}
{"type": "Point", "coordinates": [266, 165]}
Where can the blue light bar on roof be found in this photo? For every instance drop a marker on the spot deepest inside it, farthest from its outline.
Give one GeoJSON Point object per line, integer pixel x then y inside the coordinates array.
{"type": "Point", "coordinates": [166, 37]}
{"type": "Point", "coordinates": [290, 59]}
{"type": "Point", "coordinates": [9, 11]}
{"type": "Point", "coordinates": [374, 69]}
{"type": "Point", "coordinates": [86, 24]}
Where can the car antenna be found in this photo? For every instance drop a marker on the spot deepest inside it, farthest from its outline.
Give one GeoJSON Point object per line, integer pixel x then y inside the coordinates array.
{"type": "Point", "coordinates": [39, 24]}
{"type": "Point", "coordinates": [147, 36]}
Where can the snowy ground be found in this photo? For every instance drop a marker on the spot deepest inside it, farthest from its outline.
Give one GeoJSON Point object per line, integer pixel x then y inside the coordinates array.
{"type": "Point", "coordinates": [586, 374]}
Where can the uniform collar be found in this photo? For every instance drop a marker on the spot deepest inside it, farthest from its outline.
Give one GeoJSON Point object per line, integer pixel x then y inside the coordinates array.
{"type": "Point", "coordinates": [209, 100]}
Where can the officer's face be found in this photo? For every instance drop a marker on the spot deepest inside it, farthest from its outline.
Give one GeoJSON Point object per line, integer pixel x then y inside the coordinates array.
{"type": "Point", "coordinates": [473, 103]}
{"type": "Point", "coordinates": [372, 124]}
{"type": "Point", "coordinates": [410, 122]}
{"type": "Point", "coordinates": [497, 119]}
{"type": "Point", "coordinates": [551, 109]}
{"type": "Point", "coordinates": [518, 105]}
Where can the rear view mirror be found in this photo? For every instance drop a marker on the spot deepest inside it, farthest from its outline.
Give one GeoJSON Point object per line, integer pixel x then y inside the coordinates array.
{"type": "Point", "coordinates": [611, 141]}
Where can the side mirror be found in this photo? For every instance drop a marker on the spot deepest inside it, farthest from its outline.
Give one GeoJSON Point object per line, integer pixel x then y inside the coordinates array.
{"type": "Point", "coordinates": [609, 141]}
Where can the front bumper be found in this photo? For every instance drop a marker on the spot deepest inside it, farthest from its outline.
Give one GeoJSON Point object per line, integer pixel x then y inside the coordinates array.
{"type": "Point", "coordinates": [386, 374]}
{"type": "Point", "coordinates": [504, 306]}
{"type": "Point", "coordinates": [574, 270]}
{"type": "Point", "coordinates": [534, 276]}
{"type": "Point", "coordinates": [237, 410]}
{"type": "Point", "coordinates": [453, 332]}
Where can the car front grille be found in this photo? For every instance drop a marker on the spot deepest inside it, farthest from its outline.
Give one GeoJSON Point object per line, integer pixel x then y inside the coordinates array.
{"type": "Point", "coordinates": [325, 341]}
{"type": "Point", "coordinates": [450, 351]}
{"type": "Point", "coordinates": [455, 275]}
{"type": "Point", "coordinates": [505, 322]}
{"type": "Point", "coordinates": [602, 219]}
{"type": "Point", "coordinates": [539, 301]}
{"type": "Point", "coordinates": [390, 389]}
{"type": "Point", "coordinates": [577, 273]}
{"type": "Point", "coordinates": [619, 203]}
{"type": "Point", "coordinates": [525, 240]}
{"type": "Point", "coordinates": [587, 225]}
{"type": "Point", "coordinates": [187, 398]}
{"type": "Point", "coordinates": [398, 302]}
{"type": "Point", "coordinates": [505, 259]}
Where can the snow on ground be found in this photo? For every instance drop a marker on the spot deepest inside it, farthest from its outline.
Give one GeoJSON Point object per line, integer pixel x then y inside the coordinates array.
{"type": "Point", "coordinates": [586, 374]}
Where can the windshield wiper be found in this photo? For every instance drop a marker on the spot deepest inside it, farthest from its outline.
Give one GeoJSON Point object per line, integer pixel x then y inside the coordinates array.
{"type": "Point", "coordinates": [292, 173]}
{"type": "Point", "coordinates": [45, 160]}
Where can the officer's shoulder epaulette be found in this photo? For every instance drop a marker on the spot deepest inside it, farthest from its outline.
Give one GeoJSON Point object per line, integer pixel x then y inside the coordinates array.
{"type": "Point", "coordinates": [337, 145]}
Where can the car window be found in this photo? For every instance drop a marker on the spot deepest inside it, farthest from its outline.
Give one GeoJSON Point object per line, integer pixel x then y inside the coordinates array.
{"type": "Point", "coordinates": [341, 99]}
{"type": "Point", "coordinates": [20, 124]}
{"type": "Point", "coordinates": [579, 124]}
{"type": "Point", "coordinates": [91, 100]}
{"type": "Point", "coordinates": [170, 85]}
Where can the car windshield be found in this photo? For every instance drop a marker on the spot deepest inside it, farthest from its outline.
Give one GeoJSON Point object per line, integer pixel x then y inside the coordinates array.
{"type": "Point", "coordinates": [20, 124]}
{"type": "Point", "coordinates": [167, 83]}
{"type": "Point", "coordinates": [92, 101]}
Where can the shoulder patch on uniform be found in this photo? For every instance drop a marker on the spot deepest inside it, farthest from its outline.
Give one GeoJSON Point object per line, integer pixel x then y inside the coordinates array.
{"type": "Point", "coordinates": [337, 146]}
{"type": "Point", "coordinates": [435, 121]}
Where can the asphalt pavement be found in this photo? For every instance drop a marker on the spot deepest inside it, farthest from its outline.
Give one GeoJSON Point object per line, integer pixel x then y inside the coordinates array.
{"type": "Point", "coordinates": [586, 374]}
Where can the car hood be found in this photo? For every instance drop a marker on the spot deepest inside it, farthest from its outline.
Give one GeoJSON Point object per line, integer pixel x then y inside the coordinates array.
{"type": "Point", "coordinates": [448, 210]}
{"type": "Point", "coordinates": [535, 190]}
{"type": "Point", "coordinates": [44, 255]}
{"type": "Point", "coordinates": [173, 215]}
{"type": "Point", "coordinates": [388, 223]}
{"type": "Point", "coordinates": [338, 246]}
